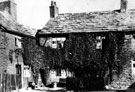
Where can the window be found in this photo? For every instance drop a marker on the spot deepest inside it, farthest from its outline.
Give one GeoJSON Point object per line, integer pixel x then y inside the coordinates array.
{"type": "Point", "coordinates": [18, 42]}
{"type": "Point", "coordinates": [134, 65]}
{"type": "Point", "coordinates": [55, 43]}
{"type": "Point", "coordinates": [15, 41]}
{"type": "Point", "coordinates": [11, 56]}
{"type": "Point", "coordinates": [18, 69]}
{"type": "Point", "coordinates": [98, 42]}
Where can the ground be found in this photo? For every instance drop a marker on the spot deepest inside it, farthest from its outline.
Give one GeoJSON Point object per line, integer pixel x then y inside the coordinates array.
{"type": "Point", "coordinates": [41, 89]}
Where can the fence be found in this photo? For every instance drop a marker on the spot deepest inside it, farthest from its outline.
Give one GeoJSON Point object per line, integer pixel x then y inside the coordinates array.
{"type": "Point", "coordinates": [9, 82]}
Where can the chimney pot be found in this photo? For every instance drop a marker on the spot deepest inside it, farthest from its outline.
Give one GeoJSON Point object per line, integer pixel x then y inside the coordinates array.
{"type": "Point", "coordinates": [51, 3]}
{"type": "Point", "coordinates": [53, 10]}
{"type": "Point", "coordinates": [124, 5]}
{"type": "Point", "coordinates": [54, 3]}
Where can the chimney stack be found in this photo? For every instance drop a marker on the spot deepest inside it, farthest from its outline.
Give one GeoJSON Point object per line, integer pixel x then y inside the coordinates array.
{"type": "Point", "coordinates": [9, 6]}
{"type": "Point", "coordinates": [124, 4]}
{"type": "Point", "coordinates": [53, 10]}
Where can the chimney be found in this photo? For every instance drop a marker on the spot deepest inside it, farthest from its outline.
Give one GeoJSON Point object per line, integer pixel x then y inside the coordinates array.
{"type": "Point", "coordinates": [9, 6]}
{"type": "Point", "coordinates": [124, 5]}
{"type": "Point", "coordinates": [53, 10]}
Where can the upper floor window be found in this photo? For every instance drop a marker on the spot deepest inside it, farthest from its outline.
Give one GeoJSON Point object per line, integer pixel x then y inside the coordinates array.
{"type": "Point", "coordinates": [99, 43]}
{"type": "Point", "coordinates": [11, 55]}
{"type": "Point", "coordinates": [15, 41]}
{"type": "Point", "coordinates": [18, 42]}
{"type": "Point", "coordinates": [55, 43]}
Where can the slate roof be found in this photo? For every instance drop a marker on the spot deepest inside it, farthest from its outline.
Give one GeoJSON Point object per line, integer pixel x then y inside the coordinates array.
{"type": "Point", "coordinates": [10, 25]}
{"type": "Point", "coordinates": [91, 22]}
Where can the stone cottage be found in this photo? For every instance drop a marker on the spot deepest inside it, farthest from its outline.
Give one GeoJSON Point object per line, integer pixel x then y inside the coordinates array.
{"type": "Point", "coordinates": [113, 38]}
{"type": "Point", "coordinates": [11, 32]}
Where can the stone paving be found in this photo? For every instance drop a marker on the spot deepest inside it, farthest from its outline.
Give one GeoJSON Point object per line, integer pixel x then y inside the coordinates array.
{"type": "Point", "coordinates": [41, 89]}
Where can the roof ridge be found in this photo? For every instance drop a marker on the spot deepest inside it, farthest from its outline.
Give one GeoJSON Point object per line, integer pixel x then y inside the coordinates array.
{"type": "Point", "coordinates": [108, 11]}
{"type": "Point", "coordinates": [96, 12]}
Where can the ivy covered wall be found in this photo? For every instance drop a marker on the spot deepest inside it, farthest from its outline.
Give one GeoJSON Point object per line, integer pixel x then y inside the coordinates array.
{"type": "Point", "coordinates": [79, 54]}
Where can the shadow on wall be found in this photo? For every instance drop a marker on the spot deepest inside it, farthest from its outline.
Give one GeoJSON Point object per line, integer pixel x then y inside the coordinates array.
{"type": "Point", "coordinates": [132, 86]}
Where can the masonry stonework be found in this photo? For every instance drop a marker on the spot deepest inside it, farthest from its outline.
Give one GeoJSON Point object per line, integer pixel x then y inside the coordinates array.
{"type": "Point", "coordinates": [10, 7]}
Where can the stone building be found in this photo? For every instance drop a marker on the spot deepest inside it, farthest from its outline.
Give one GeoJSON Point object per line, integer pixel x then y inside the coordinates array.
{"type": "Point", "coordinates": [11, 32]}
{"type": "Point", "coordinates": [111, 28]}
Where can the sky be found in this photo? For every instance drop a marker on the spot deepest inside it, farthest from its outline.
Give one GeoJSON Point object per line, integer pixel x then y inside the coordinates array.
{"type": "Point", "coordinates": [35, 13]}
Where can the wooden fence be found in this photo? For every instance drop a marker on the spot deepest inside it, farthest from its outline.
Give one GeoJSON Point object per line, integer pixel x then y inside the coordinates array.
{"type": "Point", "coordinates": [10, 82]}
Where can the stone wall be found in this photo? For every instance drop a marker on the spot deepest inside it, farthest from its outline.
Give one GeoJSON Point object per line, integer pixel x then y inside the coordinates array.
{"type": "Point", "coordinates": [3, 55]}
{"type": "Point", "coordinates": [15, 60]}
{"type": "Point", "coordinates": [8, 59]}
{"type": "Point", "coordinates": [125, 79]}
{"type": "Point", "coordinates": [10, 7]}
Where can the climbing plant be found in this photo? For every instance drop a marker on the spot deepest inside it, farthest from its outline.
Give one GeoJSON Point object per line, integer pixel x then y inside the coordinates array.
{"type": "Point", "coordinates": [32, 55]}
{"type": "Point", "coordinates": [80, 55]}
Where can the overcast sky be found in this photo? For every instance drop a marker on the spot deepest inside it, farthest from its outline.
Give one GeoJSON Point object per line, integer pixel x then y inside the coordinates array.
{"type": "Point", "coordinates": [35, 13]}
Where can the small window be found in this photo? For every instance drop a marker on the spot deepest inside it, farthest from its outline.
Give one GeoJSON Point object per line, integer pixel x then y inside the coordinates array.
{"type": "Point", "coordinates": [11, 56]}
{"type": "Point", "coordinates": [15, 41]}
{"type": "Point", "coordinates": [18, 69]}
{"type": "Point", "coordinates": [18, 42]}
{"type": "Point", "coordinates": [134, 65]}
{"type": "Point", "coordinates": [53, 42]}
{"type": "Point", "coordinates": [98, 42]}
{"type": "Point", "coordinates": [57, 43]}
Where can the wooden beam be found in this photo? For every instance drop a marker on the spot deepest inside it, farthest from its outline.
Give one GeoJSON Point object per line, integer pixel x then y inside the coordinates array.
{"type": "Point", "coordinates": [66, 34]}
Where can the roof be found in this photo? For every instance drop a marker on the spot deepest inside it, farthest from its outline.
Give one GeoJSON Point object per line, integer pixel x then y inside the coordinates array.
{"type": "Point", "coordinates": [11, 26]}
{"type": "Point", "coordinates": [90, 22]}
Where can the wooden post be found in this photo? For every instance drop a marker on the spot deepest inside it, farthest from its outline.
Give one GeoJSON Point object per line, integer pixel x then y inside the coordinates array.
{"type": "Point", "coordinates": [10, 82]}
{"type": "Point", "coordinates": [0, 82]}
{"type": "Point", "coordinates": [4, 82]}
{"type": "Point", "coordinates": [17, 89]}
